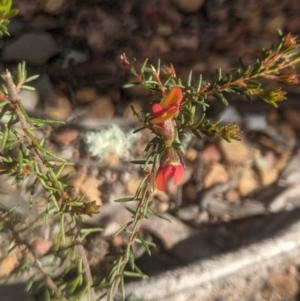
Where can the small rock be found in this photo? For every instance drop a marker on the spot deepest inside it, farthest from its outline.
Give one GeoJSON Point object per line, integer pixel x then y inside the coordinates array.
{"type": "Point", "coordinates": [34, 48]}
{"type": "Point", "coordinates": [232, 195]}
{"type": "Point", "coordinates": [9, 262]}
{"type": "Point", "coordinates": [102, 108]}
{"type": "Point", "coordinates": [163, 207]}
{"type": "Point", "coordinates": [27, 8]}
{"type": "Point", "coordinates": [230, 115]}
{"type": "Point", "coordinates": [71, 57]}
{"type": "Point", "coordinates": [275, 23]}
{"type": "Point", "coordinates": [184, 41]}
{"type": "Point", "coordinates": [211, 153]}
{"type": "Point", "coordinates": [132, 185]}
{"type": "Point", "coordinates": [235, 152]}
{"type": "Point", "coordinates": [112, 159]}
{"type": "Point", "coordinates": [68, 152]}
{"type": "Point", "coordinates": [254, 122]}
{"type": "Point", "coordinates": [268, 176]}
{"type": "Point", "coordinates": [168, 233]}
{"type": "Point", "coordinates": [161, 196]}
{"type": "Point", "coordinates": [188, 6]}
{"type": "Point", "coordinates": [53, 7]}
{"type": "Point", "coordinates": [85, 95]}
{"type": "Point", "coordinates": [191, 154]}
{"type": "Point", "coordinates": [96, 40]}
{"type": "Point", "coordinates": [116, 241]}
{"type": "Point", "coordinates": [90, 189]}
{"type": "Point", "coordinates": [215, 174]}
{"type": "Point", "coordinates": [41, 246]}
{"type": "Point", "coordinates": [173, 16]}
{"type": "Point", "coordinates": [281, 286]}
{"type": "Point", "coordinates": [65, 136]}
{"type": "Point", "coordinates": [248, 182]}
{"type": "Point", "coordinates": [75, 181]}
{"type": "Point", "coordinates": [62, 107]}
{"type": "Point", "coordinates": [29, 99]}
{"type": "Point", "coordinates": [115, 94]}
{"type": "Point", "coordinates": [188, 213]}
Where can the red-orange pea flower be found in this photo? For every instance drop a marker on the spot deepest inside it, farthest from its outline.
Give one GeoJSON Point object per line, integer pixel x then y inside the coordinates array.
{"type": "Point", "coordinates": [170, 167]}
{"type": "Point", "coordinates": [167, 172]}
{"type": "Point", "coordinates": [168, 107]}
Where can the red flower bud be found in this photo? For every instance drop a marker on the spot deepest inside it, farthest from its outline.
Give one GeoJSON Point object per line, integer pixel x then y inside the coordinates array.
{"type": "Point", "coordinates": [124, 60]}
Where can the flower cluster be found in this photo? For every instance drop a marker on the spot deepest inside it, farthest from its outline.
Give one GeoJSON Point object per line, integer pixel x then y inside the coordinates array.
{"type": "Point", "coordinates": [162, 121]}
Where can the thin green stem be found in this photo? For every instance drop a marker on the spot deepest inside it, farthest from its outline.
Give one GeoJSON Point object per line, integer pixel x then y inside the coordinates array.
{"type": "Point", "coordinates": [124, 259]}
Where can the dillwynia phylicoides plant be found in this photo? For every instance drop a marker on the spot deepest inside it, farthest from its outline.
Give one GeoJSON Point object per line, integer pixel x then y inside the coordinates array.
{"type": "Point", "coordinates": [172, 114]}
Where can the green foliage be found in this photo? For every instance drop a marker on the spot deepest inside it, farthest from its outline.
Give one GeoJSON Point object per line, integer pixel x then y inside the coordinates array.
{"type": "Point", "coordinates": [6, 13]}
{"type": "Point", "coordinates": [245, 81]}
{"type": "Point", "coordinates": [22, 155]}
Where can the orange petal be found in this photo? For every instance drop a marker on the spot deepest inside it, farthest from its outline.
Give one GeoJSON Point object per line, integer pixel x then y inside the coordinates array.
{"type": "Point", "coordinates": [172, 98]}
{"type": "Point", "coordinates": [178, 174]}
{"type": "Point", "coordinates": [168, 114]}
{"type": "Point", "coordinates": [163, 174]}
